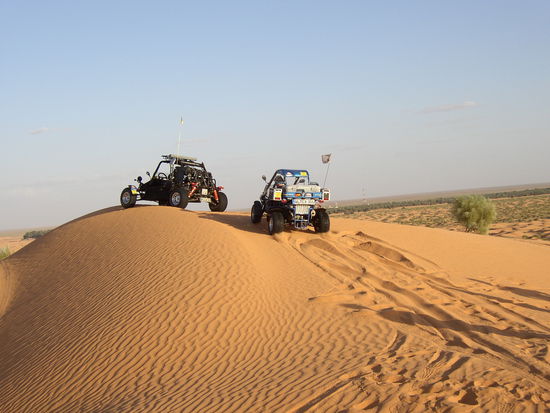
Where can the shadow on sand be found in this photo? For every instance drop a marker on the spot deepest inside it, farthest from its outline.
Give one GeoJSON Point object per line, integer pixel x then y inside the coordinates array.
{"type": "Point", "coordinates": [538, 295]}
{"type": "Point", "coordinates": [527, 293]}
{"type": "Point", "coordinates": [503, 300]}
{"type": "Point", "coordinates": [242, 222]}
{"type": "Point", "coordinates": [413, 319]}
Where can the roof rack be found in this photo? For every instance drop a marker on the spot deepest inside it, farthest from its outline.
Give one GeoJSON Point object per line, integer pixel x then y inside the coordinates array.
{"type": "Point", "coordinates": [179, 157]}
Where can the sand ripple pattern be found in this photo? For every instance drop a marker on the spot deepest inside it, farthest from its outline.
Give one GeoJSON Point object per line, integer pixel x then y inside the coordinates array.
{"type": "Point", "coordinates": [454, 346]}
{"type": "Point", "coordinates": [155, 309]}
{"type": "Point", "coordinates": [158, 309]}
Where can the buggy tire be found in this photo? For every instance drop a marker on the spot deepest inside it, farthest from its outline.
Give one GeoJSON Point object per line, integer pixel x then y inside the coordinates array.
{"type": "Point", "coordinates": [178, 198]}
{"type": "Point", "coordinates": [275, 222]}
{"type": "Point", "coordinates": [127, 199]}
{"type": "Point", "coordinates": [221, 205]}
{"type": "Point", "coordinates": [322, 221]}
{"type": "Point", "coordinates": [256, 212]}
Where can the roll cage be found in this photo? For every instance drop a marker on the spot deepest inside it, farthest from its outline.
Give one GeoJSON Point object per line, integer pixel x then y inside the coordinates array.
{"type": "Point", "coordinates": [286, 173]}
{"type": "Point", "coordinates": [174, 160]}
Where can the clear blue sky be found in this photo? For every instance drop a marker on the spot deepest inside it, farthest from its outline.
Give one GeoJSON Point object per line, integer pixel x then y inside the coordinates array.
{"type": "Point", "coordinates": [409, 96]}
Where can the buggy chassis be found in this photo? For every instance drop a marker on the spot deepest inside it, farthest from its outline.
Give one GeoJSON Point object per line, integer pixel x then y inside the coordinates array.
{"type": "Point", "coordinates": [187, 181]}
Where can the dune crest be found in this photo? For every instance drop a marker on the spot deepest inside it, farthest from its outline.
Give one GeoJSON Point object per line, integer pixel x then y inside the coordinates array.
{"type": "Point", "coordinates": [159, 309]}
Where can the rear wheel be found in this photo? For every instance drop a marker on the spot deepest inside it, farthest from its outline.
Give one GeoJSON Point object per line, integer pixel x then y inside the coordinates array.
{"type": "Point", "coordinates": [221, 205]}
{"type": "Point", "coordinates": [275, 222]}
{"type": "Point", "coordinates": [256, 212]}
{"type": "Point", "coordinates": [127, 199]}
{"type": "Point", "coordinates": [178, 198]}
{"type": "Point", "coordinates": [322, 221]}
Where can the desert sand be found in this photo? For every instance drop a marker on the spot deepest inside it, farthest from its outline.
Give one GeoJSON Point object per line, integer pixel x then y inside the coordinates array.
{"type": "Point", "coordinates": [155, 309]}
{"type": "Point", "coordinates": [14, 243]}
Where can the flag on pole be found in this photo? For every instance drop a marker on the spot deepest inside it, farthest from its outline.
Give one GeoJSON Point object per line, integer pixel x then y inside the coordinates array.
{"type": "Point", "coordinates": [326, 158]}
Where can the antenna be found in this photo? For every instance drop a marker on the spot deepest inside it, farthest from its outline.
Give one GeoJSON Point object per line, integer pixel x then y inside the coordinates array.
{"type": "Point", "coordinates": [179, 135]}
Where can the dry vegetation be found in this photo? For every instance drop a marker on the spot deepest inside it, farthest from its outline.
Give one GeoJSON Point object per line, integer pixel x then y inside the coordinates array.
{"type": "Point", "coordinates": [526, 217]}
{"type": "Point", "coordinates": [4, 253]}
{"type": "Point", "coordinates": [11, 242]}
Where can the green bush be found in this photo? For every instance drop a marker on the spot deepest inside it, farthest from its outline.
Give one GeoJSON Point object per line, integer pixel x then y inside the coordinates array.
{"type": "Point", "coordinates": [4, 253]}
{"type": "Point", "coordinates": [35, 234]}
{"type": "Point", "coordinates": [475, 212]}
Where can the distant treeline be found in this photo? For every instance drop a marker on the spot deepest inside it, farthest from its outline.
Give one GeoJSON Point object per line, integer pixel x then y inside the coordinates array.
{"type": "Point", "coordinates": [35, 234]}
{"type": "Point", "coordinates": [350, 209]}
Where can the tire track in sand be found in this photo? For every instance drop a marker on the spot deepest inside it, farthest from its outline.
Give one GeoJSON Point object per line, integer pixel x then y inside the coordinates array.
{"type": "Point", "coordinates": [377, 279]}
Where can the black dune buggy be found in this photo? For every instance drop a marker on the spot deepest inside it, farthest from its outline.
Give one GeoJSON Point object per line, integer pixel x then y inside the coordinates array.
{"type": "Point", "coordinates": [177, 181]}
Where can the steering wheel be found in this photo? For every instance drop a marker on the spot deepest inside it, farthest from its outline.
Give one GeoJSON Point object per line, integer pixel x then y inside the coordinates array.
{"type": "Point", "coordinates": [162, 175]}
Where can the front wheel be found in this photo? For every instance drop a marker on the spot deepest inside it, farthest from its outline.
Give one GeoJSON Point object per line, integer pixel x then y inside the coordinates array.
{"type": "Point", "coordinates": [221, 205]}
{"type": "Point", "coordinates": [322, 221]}
{"type": "Point", "coordinates": [275, 222]}
{"type": "Point", "coordinates": [256, 212]}
{"type": "Point", "coordinates": [178, 198]}
{"type": "Point", "coordinates": [127, 199]}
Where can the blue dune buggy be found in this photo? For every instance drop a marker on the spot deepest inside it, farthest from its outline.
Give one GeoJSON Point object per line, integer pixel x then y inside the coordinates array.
{"type": "Point", "coordinates": [290, 198]}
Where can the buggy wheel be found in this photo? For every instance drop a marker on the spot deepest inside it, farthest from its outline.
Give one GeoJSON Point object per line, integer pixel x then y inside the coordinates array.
{"type": "Point", "coordinates": [256, 212]}
{"type": "Point", "coordinates": [275, 222]}
{"type": "Point", "coordinates": [178, 198]}
{"type": "Point", "coordinates": [127, 199]}
{"type": "Point", "coordinates": [322, 221]}
{"type": "Point", "coordinates": [221, 205]}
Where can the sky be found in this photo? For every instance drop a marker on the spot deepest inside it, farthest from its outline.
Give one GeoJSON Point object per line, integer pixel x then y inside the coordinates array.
{"type": "Point", "coordinates": [408, 96]}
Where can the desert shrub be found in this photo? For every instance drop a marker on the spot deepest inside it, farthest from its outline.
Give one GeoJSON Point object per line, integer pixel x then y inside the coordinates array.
{"type": "Point", "coordinates": [35, 234]}
{"type": "Point", "coordinates": [475, 212]}
{"type": "Point", "coordinates": [4, 253]}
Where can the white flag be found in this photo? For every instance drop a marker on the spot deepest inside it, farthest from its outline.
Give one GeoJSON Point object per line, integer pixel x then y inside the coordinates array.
{"type": "Point", "coordinates": [326, 158]}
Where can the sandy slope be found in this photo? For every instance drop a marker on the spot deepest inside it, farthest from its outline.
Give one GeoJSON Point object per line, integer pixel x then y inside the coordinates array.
{"type": "Point", "coordinates": [158, 309]}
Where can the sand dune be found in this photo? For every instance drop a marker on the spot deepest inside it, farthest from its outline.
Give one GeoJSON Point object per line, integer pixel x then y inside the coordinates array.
{"type": "Point", "coordinates": [159, 309]}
